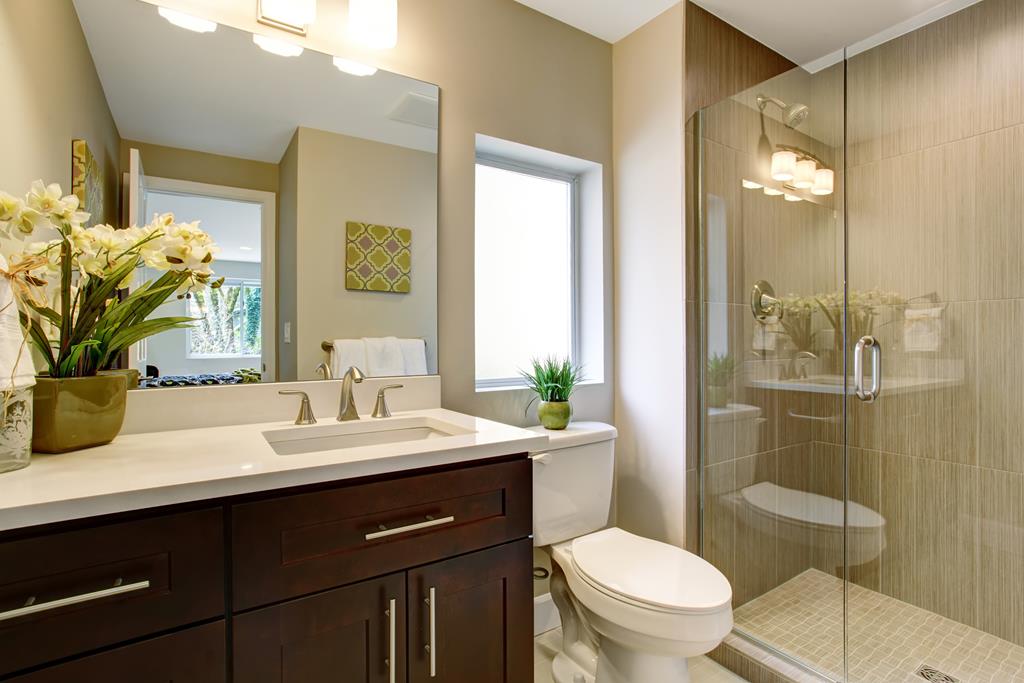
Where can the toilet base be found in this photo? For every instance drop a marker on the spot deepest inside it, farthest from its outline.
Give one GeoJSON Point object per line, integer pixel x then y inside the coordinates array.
{"type": "Point", "coordinates": [565, 670]}
{"type": "Point", "coordinates": [618, 664]}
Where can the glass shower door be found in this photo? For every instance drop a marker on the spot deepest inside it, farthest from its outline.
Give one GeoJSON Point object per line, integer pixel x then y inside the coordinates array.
{"type": "Point", "coordinates": [772, 256]}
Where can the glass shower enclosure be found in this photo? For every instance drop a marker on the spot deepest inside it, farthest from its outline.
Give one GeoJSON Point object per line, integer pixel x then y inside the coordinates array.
{"type": "Point", "coordinates": [860, 312]}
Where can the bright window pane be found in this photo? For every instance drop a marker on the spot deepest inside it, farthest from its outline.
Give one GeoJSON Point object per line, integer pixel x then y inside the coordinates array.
{"type": "Point", "coordinates": [523, 270]}
{"type": "Point", "coordinates": [229, 320]}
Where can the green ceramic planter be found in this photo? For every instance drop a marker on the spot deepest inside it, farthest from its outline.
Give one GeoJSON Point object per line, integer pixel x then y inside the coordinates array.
{"type": "Point", "coordinates": [554, 414]}
{"type": "Point", "coordinates": [717, 396]}
{"type": "Point", "coordinates": [78, 412]}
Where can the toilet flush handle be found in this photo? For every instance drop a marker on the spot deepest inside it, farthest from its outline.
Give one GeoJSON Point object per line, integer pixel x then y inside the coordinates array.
{"type": "Point", "coordinates": [541, 458]}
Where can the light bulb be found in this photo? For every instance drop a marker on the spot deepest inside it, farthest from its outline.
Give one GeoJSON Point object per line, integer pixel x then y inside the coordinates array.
{"type": "Point", "coordinates": [297, 13]}
{"type": "Point", "coordinates": [771, 191]}
{"type": "Point", "coordinates": [803, 179]}
{"type": "Point", "coordinates": [373, 23]}
{"type": "Point", "coordinates": [751, 185]}
{"type": "Point", "coordinates": [792, 198]}
{"type": "Point", "coordinates": [277, 47]}
{"type": "Point", "coordinates": [187, 21]}
{"type": "Point", "coordinates": [354, 68]}
{"type": "Point", "coordinates": [824, 181]}
{"type": "Point", "coordinates": [783, 166]}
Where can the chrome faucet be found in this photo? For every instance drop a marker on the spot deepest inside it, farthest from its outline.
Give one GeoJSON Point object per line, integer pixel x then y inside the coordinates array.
{"type": "Point", "coordinates": [791, 372]}
{"type": "Point", "coordinates": [347, 407]}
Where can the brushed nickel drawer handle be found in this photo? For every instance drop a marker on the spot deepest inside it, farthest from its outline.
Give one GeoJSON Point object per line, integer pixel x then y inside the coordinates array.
{"type": "Point", "coordinates": [430, 521]}
{"type": "Point", "coordinates": [431, 647]}
{"type": "Point", "coordinates": [391, 640]}
{"type": "Point", "coordinates": [117, 589]}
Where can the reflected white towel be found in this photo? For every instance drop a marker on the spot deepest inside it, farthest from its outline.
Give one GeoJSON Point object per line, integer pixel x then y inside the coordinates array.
{"type": "Point", "coordinates": [17, 370]}
{"type": "Point", "coordinates": [384, 357]}
{"type": "Point", "coordinates": [414, 353]}
{"type": "Point", "coordinates": [348, 352]}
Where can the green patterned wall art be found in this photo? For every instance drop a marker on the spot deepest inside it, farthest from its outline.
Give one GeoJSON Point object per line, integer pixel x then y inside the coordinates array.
{"type": "Point", "coordinates": [378, 258]}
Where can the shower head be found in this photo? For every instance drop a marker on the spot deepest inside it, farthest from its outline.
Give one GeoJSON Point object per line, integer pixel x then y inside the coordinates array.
{"type": "Point", "coordinates": [792, 114]}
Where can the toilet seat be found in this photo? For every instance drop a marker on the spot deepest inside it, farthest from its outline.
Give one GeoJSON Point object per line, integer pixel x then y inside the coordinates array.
{"type": "Point", "coordinates": [809, 509]}
{"type": "Point", "coordinates": [649, 574]}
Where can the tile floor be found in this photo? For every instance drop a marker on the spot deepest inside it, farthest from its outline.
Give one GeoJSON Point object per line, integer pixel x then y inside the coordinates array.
{"type": "Point", "coordinates": [702, 669]}
{"type": "Point", "coordinates": [889, 639]}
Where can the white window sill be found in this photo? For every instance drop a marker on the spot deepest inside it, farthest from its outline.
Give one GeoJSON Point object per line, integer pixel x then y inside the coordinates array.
{"type": "Point", "coordinates": [522, 385]}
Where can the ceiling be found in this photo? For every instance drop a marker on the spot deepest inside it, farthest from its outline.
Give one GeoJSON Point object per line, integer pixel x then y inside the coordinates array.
{"type": "Point", "coordinates": [236, 226]}
{"type": "Point", "coordinates": [610, 20]}
{"type": "Point", "coordinates": [219, 93]}
{"type": "Point", "coordinates": [800, 30]}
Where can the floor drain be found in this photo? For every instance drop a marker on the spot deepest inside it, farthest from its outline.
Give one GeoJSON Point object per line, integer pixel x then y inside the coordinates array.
{"type": "Point", "coordinates": [930, 673]}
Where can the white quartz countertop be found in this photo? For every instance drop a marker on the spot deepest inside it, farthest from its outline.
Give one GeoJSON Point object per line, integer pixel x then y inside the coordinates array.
{"type": "Point", "coordinates": [146, 470]}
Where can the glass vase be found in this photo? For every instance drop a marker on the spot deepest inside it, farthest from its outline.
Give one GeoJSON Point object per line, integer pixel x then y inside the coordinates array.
{"type": "Point", "coordinates": [16, 429]}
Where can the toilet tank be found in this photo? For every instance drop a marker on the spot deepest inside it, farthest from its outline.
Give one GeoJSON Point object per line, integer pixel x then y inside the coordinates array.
{"type": "Point", "coordinates": [572, 482]}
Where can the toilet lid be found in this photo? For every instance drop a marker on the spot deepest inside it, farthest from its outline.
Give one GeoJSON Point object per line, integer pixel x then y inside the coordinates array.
{"type": "Point", "coordinates": [809, 508]}
{"type": "Point", "coordinates": [650, 572]}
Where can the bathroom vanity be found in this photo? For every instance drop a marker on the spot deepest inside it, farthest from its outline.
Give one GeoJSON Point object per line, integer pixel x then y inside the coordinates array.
{"type": "Point", "coordinates": [418, 572]}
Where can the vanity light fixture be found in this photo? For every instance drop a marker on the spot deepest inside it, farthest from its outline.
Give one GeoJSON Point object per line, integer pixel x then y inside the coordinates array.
{"type": "Point", "coordinates": [187, 21]}
{"type": "Point", "coordinates": [803, 179]}
{"type": "Point", "coordinates": [824, 182]}
{"type": "Point", "coordinates": [771, 191]}
{"type": "Point", "coordinates": [751, 185]}
{"type": "Point", "coordinates": [353, 67]}
{"type": "Point", "coordinates": [783, 165]}
{"type": "Point", "coordinates": [277, 47]}
{"type": "Point", "coordinates": [792, 198]}
{"type": "Point", "coordinates": [288, 15]}
{"type": "Point", "coordinates": [373, 23]}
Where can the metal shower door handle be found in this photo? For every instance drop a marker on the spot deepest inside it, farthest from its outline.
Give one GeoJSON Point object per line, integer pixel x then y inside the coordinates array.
{"type": "Point", "coordinates": [870, 395]}
{"type": "Point", "coordinates": [763, 302]}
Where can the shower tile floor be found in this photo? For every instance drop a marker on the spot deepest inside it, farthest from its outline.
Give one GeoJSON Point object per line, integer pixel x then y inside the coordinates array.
{"type": "Point", "coordinates": [889, 639]}
{"type": "Point", "coordinates": [546, 645]}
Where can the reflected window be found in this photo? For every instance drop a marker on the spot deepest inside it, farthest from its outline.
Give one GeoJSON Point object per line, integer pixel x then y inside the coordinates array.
{"type": "Point", "coordinates": [526, 221]}
{"type": "Point", "coordinates": [229, 321]}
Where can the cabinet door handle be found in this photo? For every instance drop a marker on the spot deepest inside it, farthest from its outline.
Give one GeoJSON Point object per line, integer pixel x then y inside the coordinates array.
{"type": "Point", "coordinates": [391, 640]}
{"type": "Point", "coordinates": [117, 589]}
{"type": "Point", "coordinates": [431, 646]}
{"type": "Point", "coordinates": [430, 521]}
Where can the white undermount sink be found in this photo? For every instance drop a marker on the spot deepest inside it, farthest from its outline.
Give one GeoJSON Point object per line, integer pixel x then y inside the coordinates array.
{"type": "Point", "coordinates": [366, 432]}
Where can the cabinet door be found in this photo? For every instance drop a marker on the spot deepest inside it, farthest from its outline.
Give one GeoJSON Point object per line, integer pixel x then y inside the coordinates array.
{"type": "Point", "coordinates": [354, 634]}
{"type": "Point", "coordinates": [479, 626]}
{"type": "Point", "coordinates": [192, 656]}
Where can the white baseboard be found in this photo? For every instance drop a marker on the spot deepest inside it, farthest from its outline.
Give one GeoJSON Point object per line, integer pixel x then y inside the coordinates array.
{"type": "Point", "coordinates": [545, 614]}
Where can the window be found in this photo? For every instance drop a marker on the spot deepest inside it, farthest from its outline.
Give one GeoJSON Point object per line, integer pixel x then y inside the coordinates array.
{"type": "Point", "coordinates": [229, 324]}
{"type": "Point", "coordinates": [526, 302]}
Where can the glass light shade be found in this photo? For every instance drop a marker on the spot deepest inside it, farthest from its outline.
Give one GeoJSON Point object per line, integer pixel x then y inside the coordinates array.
{"type": "Point", "coordinates": [373, 23]}
{"type": "Point", "coordinates": [277, 47]}
{"type": "Point", "coordinates": [751, 185]}
{"type": "Point", "coordinates": [793, 198]}
{"type": "Point", "coordinates": [187, 21]}
{"type": "Point", "coordinates": [824, 181]}
{"type": "Point", "coordinates": [298, 13]}
{"type": "Point", "coordinates": [783, 166]}
{"type": "Point", "coordinates": [803, 179]}
{"type": "Point", "coordinates": [771, 191]}
{"type": "Point", "coordinates": [353, 67]}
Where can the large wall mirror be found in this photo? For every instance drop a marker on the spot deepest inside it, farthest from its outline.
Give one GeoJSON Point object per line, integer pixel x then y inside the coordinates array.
{"type": "Point", "coordinates": [318, 185]}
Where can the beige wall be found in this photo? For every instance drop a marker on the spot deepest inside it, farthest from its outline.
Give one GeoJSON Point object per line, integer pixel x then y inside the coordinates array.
{"type": "Point", "coordinates": [201, 167]}
{"type": "Point", "coordinates": [649, 331]}
{"type": "Point", "coordinates": [288, 256]}
{"type": "Point", "coordinates": [506, 71]}
{"type": "Point", "coordinates": [369, 182]}
{"type": "Point", "coordinates": [52, 95]}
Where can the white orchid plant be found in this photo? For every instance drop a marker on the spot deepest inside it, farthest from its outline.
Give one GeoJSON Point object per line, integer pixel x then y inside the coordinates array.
{"type": "Point", "coordinates": [75, 292]}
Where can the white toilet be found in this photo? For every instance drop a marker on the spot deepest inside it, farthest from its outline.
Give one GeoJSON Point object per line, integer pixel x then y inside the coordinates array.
{"type": "Point", "coordinates": [632, 609]}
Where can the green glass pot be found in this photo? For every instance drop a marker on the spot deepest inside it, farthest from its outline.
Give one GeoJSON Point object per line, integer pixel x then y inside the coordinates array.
{"type": "Point", "coordinates": [554, 414]}
{"type": "Point", "coordinates": [78, 412]}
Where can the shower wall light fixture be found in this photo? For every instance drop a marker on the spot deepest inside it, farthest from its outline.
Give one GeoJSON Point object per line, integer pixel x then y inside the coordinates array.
{"type": "Point", "coordinates": [797, 169]}
{"type": "Point", "coordinates": [288, 15]}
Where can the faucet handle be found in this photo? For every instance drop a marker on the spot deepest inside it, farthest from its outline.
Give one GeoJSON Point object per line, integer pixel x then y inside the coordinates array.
{"type": "Point", "coordinates": [380, 409]}
{"type": "Point", "coordinates": [305, 416]}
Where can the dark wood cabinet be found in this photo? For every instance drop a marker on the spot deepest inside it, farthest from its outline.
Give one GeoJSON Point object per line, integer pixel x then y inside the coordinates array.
{"type": "Point", "coordinates": [314, 585]}
{"type": "Point", "coordinates": [482, 623]}
{"type": "Point", "coordinates": [195, 655]}
{"type": "Point", "coordinates": [345, 634]}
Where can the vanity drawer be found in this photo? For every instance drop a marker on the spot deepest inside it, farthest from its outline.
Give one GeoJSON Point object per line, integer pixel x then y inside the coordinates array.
{"type": "Point", "coordinates": [304, 543]}
{"type": "Point", "coordinates": [66, 593]}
